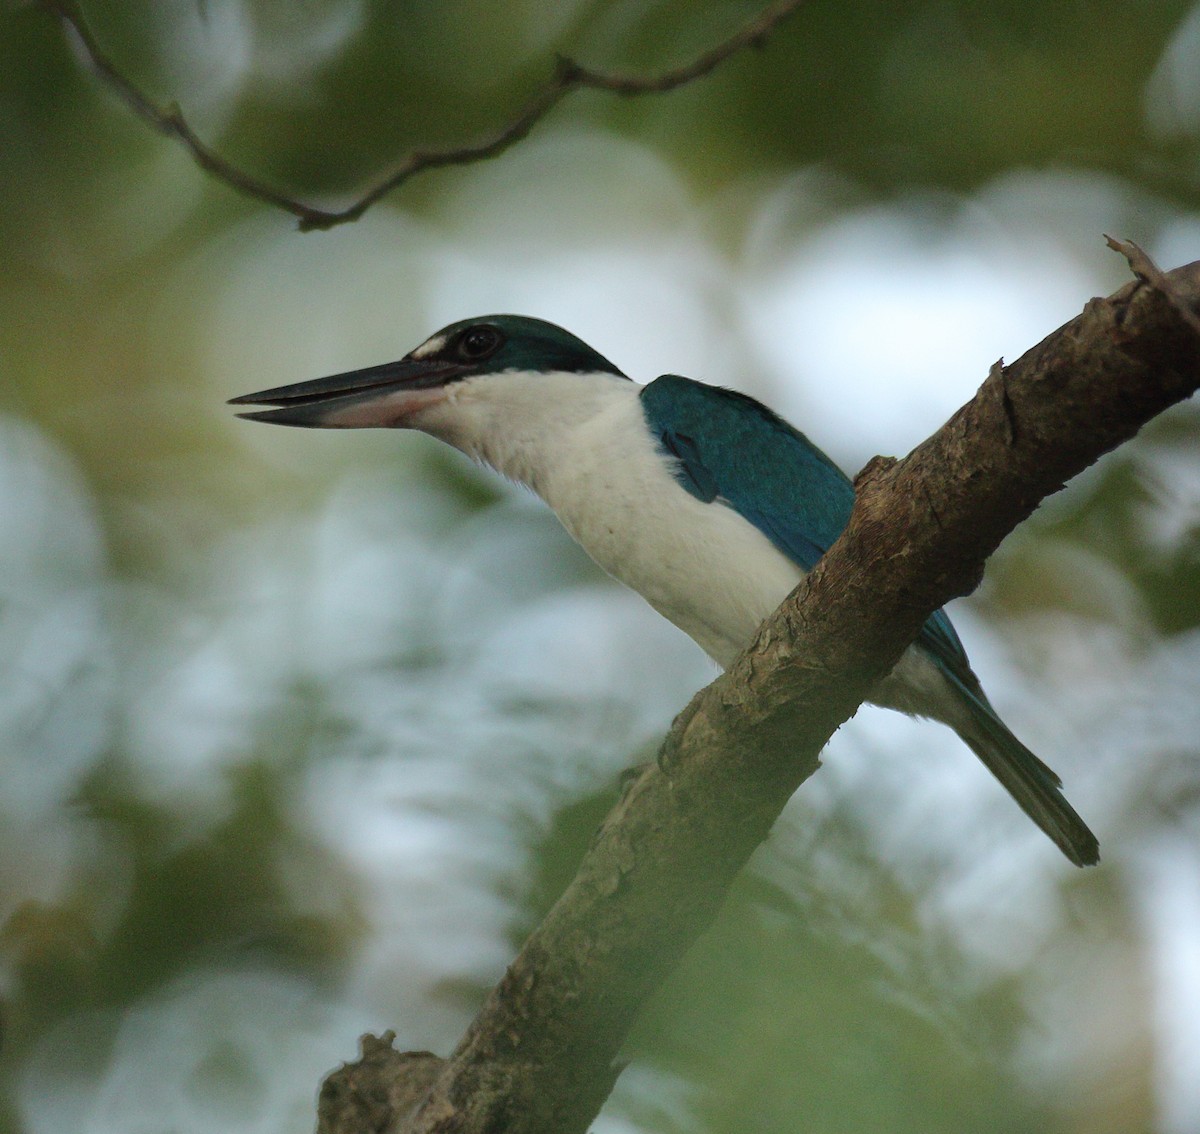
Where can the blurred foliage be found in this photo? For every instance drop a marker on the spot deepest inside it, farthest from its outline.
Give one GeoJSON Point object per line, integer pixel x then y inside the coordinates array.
{"type": "Point", "coordinates": [304, 733]}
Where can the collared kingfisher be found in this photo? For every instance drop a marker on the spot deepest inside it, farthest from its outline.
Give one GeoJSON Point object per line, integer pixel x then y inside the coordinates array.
{"type": "Point", "coordinates": [699, 498]}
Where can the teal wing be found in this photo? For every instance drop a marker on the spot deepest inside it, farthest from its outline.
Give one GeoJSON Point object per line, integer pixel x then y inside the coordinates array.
{"type": "Point", "coordinates": [733, 450]}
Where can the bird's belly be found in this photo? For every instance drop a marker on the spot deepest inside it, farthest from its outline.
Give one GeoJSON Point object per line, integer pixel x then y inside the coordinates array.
{"type": "Point", "coordinates": [701, 566]}
{"type": "Point", "coordinates": [717, 577]}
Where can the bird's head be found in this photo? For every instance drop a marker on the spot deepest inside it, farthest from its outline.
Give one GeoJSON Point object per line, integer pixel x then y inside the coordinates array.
{"type": "Point", "coordinates": [416, 392]}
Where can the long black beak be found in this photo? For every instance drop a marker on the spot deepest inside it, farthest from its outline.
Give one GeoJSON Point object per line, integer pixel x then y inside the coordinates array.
{"type": "Point", "coordinates": [384, 395]}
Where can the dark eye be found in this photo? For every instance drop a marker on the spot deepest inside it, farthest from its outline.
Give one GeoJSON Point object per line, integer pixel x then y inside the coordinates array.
{"type": "Point", "coordinates": [479, 342]}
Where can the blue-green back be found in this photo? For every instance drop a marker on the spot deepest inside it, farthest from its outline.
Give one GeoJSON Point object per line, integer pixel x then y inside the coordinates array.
{"type": "Point", "coordinates": [732, 449]}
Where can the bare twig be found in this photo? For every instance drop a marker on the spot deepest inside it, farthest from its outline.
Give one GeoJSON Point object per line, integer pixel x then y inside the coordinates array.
{"type": "Point", "coordinates": [1149, 272]}
{"type": "Point", "coordinates": [568, 77]}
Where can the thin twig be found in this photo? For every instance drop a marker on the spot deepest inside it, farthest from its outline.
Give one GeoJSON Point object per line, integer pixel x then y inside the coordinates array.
{"type": "Point", "coordinates": [568, 76]}
{"type": "Point", "coordinates": [1150, 273]}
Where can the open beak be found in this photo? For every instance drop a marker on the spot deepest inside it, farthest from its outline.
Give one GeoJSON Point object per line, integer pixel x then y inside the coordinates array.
{"type": "Point", "coordinates": [386, 395]}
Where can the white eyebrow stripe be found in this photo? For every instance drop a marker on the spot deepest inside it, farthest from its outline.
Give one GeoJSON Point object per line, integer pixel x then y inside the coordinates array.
{"type": "Point", "coordinates": [430, 346]}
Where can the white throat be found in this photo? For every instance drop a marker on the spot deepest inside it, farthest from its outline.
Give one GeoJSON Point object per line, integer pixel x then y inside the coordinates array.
{"type": "Point", "coordinates": [529, 425]}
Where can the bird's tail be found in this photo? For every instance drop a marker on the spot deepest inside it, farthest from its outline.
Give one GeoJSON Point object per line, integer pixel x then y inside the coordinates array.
{"type": "Point", "coordinates": [1033, 784]}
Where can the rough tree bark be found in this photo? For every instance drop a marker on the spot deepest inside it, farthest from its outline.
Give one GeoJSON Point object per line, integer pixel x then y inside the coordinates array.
{"type": "Point", "coordinates": [539, 1057]}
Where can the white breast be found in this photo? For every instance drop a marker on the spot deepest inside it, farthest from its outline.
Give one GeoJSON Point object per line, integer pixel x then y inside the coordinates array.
{"type": "Point", "coordinates": [581, 443]}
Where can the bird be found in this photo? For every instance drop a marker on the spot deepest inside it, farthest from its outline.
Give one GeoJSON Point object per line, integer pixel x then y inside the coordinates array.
{"type": "Point", "coordinates": [698, 497]}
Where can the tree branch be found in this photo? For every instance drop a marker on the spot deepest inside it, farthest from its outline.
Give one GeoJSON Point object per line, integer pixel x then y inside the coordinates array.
{"type": "Point", "coordinates": [539, 1056]}
{"type": "Point", "coordinates": [568, 77]}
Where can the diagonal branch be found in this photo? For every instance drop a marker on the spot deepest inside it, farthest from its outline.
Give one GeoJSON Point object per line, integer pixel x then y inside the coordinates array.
{"type": "Point", "coordinates": [539, 1057]}
{"type": "Point", "coordinates": [568, 77]}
